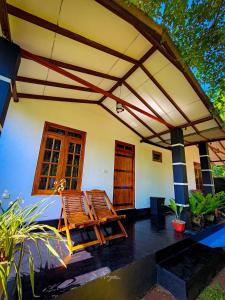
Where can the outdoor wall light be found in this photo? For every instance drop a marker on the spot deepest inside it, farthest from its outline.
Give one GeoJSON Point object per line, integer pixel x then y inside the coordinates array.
{"type": "Point", "coordinates": [119, 107]}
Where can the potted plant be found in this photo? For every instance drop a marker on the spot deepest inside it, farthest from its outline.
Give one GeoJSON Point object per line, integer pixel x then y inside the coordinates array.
{"type": "Point", "coordinates": [204, 208]}
{"type": "Point", "coordinates": [178, 224]}
{"type": "Point", "coordinates": [17, 227]}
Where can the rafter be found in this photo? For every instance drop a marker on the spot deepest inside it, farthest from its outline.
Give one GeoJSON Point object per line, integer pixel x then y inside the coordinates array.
{"type": "Point", "coordinates": [86, 83]}
{"type": "Point", "coordinates": [199, 121]}
{"type": "Point", "coordinates": [222, 145]}
{"type": "Point", "coordinates": [54, 98]}
{"type": "Point", "coordinates": [67, 66]}
{"type": "Point", "coordinates": [119, 119]}
{"type": "Point", "coordinates": [131, 128]}
{"type": "Point", "coordinates": [131, 71]}
{"type": "Point", "coordinates": [141, 99]}
{"type": "Point", "coordinates": [4, 20]}
{"type": "Point", "coordinates": [144, 124]}
{"type": "Point", "coordinates": [217, 150]}
{"type": "Point", "coordinates": [152, 78]}
{"type": "Point", "coordinates": [19, 13]}
{"type": "Point", "coordinates": [54, 84]}
{"type": "Point", "coordinates": [216, 153]}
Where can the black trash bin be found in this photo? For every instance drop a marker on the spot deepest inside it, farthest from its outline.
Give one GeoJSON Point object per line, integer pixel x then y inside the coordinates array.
{"type": "Point", "coordinates": [157, 205]}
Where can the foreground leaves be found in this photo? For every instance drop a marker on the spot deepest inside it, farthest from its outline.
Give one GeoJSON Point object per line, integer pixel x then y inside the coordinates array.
{"type": "Point", "coordinates": [17, 230]}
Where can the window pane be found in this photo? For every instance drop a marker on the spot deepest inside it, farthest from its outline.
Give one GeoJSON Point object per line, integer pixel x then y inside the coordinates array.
{"type": "Point", "coordinates": [74, 184]}
{"type": "Point", "coordinates": [57, 145]}
{"type": "Point", "coordinates": [75, 172]}
{"type": "Point", "coordinates": [68, 171]}
{"type": "Point", "coordinates": [51, 183]}
{"type": "Point", "coordinates": [49, 143]}
{"type": "Point", "coordinates": [67, 185]}
{"type": "Point", "coordinates": [44, 169]}
{"type": "Point", "coordinates": [76, 135]}
{"type": "Point", "coordinates": [56, 130]}
{"type": "Point", "coordinates": [70, 159]}
{"type": "Point", "coordinates": [71, 147]}
{"type": "Point", "coordinates": [42, 183]}
{"type": "Point", "coordinates": [53, 170]}
{"type": "Point", "coordinates": [55, 157]}
{"type": "Point", "coordinates": [78, 148]}
{"type": "Point", "coordinates": [77, 161]}
{"type": "Point", "coordinates": [47, 155]}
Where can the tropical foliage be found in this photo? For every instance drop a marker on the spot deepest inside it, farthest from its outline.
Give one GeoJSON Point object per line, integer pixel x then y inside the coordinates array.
{"type": "Point", "coordinates": [17, 231]}
{"type": "Point", "coordinates": [202, 205]}
{"type": "Point", "coordinates": [218, 171]}
{"type": "Point", "coordinates": [177, 209]}
{"type": "Point", "coordinates": [197, 27]}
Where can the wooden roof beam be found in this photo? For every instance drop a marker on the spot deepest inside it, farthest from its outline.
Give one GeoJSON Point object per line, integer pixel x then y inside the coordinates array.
{"type": "Point", "coordinates": [67, 66]}
{"type": "Point", "coordinates": [199, 121]}
{"type": "Point", "coordinates": [54, 98]}
{"type": "Point", "coordinates": [141, 99]}
{"type": "Point", "coordinates": [19, 13]}
{"type": "Point", "coordinates": [144, 124]}
{"type": "Point", "coordinates": [131, 128]}
{"type": "Point", "coordinates": [54, 84]}
{"type": "Point", "coordinates": [215, 152]}
{"type": "Point", "coordinates": [152, 78]}
{"type": "Point", "coordinates": [86, 83]}
{"type": "Point", "coordinates": [131, 71]}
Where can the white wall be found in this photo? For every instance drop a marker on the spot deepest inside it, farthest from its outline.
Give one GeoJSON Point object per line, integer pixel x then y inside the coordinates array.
{"type": "Point", "coordinates": [20, 142]}
{"type": "Point", "coordinates": [192, 155]}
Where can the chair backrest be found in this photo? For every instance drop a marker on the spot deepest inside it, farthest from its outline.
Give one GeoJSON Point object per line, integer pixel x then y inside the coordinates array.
{"type": "Point", "coordinates": [100, 202]}
{"type": "Point", "coordinates": [74, 203]}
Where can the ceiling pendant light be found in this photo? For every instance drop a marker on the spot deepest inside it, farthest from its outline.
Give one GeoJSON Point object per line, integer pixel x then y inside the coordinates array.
{"type": "Point", "coordinates": [119, 106]}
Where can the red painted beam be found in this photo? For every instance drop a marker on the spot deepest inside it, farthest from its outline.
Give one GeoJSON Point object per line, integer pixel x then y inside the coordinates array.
{"type": "Point", "coordinates": [95, 88]}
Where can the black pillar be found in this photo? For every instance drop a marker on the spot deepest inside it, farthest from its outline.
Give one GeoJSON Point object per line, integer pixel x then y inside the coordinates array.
{"type": "Point", "coordinates": [179, 171]}
{"type": "Point", "coordinates": [9, 64]}
{"type": "Point", "coordinates": [207, 179]}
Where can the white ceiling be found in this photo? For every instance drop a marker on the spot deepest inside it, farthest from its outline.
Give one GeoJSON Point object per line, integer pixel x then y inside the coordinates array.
{"type": "Point", "coordinates": [93, 21]}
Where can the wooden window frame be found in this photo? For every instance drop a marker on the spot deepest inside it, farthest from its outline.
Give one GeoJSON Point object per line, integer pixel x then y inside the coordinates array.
{"type": "Point", "coordinates": [157, 153]}
{"type": "Point", "coordinates": [62, 160]}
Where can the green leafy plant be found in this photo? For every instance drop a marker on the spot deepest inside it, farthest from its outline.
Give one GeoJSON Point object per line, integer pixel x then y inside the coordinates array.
{"type": "Point", "coordinates": [202, 205]}
{"type": "Point", "coordinates": [177, 209]}
{"type": "Point", "coordinates": [17, 230]}
{"type": "Point", "coordinates": [218, 171]}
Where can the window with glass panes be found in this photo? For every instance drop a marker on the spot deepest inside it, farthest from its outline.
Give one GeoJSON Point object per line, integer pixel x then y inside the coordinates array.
{"type": "Point", "coordinates": [61, 156]}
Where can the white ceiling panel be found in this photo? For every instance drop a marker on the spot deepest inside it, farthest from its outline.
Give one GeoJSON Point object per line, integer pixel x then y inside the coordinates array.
{"type": "Point", "coordinates": [29, 68]}
{"type": "Point", "coordinates": [156, 62]}
{"type": "Point", "coordinates": [174, 82]}
{"type": "Point", "coordinates": [31, 37]}
{"type": "Point", "coordinates": [27, 88]}
{"type": "Point", "coordinates": [75, 53]}
{"type": "Point", "coordinates": [49, 11]}
{"type": "Point", "coordinates": [97, 23]}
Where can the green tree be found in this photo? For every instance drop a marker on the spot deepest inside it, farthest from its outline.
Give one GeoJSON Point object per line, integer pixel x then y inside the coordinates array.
{"type": "Point", "coordinates": [197, 27]}
{"type": "Point", "coordinates": [218, 171]}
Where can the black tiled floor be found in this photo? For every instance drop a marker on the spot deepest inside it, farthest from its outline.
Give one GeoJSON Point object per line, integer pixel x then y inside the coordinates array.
{"type": "Point", "coordinates": [144, 237]}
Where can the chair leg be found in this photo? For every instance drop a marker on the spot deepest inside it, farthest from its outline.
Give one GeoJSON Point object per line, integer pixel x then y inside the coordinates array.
{"type": "Point", "coordinates": [60, 221]}
{"type": "Point", "coordinates": [69, 241]}
{"type": "Point", "coordinates": [122, 229]}
{"type": "Point", "coordinates": [99, 235]}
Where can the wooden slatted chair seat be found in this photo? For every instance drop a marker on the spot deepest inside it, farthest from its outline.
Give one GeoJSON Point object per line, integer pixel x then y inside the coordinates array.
{"type": "Point", "coordinates": [77, 214]}
{"type": "Point", "coordinates": [104, 212]}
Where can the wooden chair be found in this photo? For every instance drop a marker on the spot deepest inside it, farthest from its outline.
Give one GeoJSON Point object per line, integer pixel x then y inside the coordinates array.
{"type": "Point", "coordinates": [104, 212]}
{"type": "Point", "coordinates": [75, 216]}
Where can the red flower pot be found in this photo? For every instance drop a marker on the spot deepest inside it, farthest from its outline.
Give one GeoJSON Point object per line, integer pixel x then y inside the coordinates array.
{"type": "Point", "coordinates": [178, 225]}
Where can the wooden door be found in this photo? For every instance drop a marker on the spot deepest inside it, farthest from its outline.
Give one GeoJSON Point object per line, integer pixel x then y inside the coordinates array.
{"type": "Point", "coordinates": [123, 194]}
